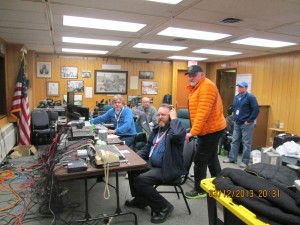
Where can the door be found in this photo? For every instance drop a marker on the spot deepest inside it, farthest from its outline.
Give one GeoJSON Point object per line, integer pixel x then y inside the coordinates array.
{"type": "Point", "coordinates": [182, 92]}
{"type": "Point", "coordinates": [226, 81]}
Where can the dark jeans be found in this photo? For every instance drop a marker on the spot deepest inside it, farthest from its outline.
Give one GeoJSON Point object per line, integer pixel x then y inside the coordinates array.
{"type": "Point", "coordinates": [206, 156]}
{"type": "Point", "coordinates": [142, 188]}
{"type": "Point", "coordinates": [129, 141]}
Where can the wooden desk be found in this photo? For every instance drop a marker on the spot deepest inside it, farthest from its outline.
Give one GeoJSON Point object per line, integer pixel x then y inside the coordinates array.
{"type": "Point", "coordinates": [135, 162]}
{"type": "Point", "coordinates": [275, 132]}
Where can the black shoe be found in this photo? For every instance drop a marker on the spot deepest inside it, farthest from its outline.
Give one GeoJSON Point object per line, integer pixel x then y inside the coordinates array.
{"type": "Point", "coordinates": [162, 216]}
{"type": "Point", "coordinates": [134, 204]}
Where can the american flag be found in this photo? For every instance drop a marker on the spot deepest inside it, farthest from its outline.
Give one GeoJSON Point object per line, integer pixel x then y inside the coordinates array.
{"type": "Point", "coordinates": [20, 107]}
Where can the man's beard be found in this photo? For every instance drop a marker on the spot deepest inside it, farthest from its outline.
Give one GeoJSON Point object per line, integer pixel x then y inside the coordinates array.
{"type": "Point", "coordinates": [163, 124]}
{"type": "Point", "coordinates": [193, 83]}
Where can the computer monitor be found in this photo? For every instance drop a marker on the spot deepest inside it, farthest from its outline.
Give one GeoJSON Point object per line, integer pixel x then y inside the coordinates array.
{"type": "Point", "coordinates": [76, 111]}
{"type": "Point", "coordinates": [70, 98]}
{"type": "Point", "coordinates": [84, 112]}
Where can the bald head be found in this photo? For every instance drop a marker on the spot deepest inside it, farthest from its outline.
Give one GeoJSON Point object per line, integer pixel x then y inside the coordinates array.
{"type": "Point", "coordinates": [146, 102]}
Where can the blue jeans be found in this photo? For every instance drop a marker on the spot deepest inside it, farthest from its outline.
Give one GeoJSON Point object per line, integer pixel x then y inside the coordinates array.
{"type": "Point", "coordinates": [241, 133]}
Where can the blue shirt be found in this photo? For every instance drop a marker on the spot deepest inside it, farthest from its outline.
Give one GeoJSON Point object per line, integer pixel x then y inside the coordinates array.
{"type": "Point", "coordinates": [245, 108]}
{"type": "Point", "coordinates": [123, 123]}
{"type": "Point", "coordinates": [158, 152]}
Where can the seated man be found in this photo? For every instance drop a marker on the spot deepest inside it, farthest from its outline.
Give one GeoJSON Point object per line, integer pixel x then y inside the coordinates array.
{"type": "Point", "coordinates": [165, 164]}
{"type": "Point", "coordinates": [150, 112]}
{"type": "Point", "coordinates": [122, 119]}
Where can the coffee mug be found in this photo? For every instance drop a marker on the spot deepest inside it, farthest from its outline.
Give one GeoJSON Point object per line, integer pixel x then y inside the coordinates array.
{"type": "Point", "coordinates": [102, 134]}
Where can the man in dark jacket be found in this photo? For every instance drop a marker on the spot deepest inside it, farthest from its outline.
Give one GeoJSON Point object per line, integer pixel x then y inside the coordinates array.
{"type": "Point", "coordinates": [165, 164]}
{"type": "Point", "coordinates": [245, 111]}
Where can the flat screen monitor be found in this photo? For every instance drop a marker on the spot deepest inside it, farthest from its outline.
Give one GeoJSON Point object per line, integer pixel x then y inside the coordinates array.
{"type": "Point", "coordinates": [84, 112]}
{"type": "Point", "coordinates": [70, 98]}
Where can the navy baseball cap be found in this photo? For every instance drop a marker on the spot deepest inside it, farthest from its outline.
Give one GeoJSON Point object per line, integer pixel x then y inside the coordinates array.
{"type": "Point", "coordinates": [242, 84]}
{"type": "Point", "coordinates": [194, 69]}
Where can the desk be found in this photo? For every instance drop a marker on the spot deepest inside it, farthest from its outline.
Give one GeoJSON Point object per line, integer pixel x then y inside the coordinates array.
{"type": "Point", "coordinates": [134, 163]}
{"type": "Point", "coordinates": [275, 132]}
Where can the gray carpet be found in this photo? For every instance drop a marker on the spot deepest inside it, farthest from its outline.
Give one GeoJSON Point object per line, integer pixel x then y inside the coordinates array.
{"type": "Point", "coordinates": [71, 205]}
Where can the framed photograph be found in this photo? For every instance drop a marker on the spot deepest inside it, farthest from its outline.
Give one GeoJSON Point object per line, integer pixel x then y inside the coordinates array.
{"type": "Point", "coordinates": [86, 74]}
{"type": "Point", "coordinates": [43, 69]}
{"type": "Point", "coordinates": [75, 86]}
{"type": "Point", "coordinates": [52, 88]}
{"type": "Point", "coordinates": [134, 100]}
{"type": "Point", "coordinates": [77, 100]}
{"type": "Point", "coordinates": [111, 82]}
{"type": "Point", "coordinates": [146, 75]}
{"type": "Point", "coordinates": [68, 72]}
{"type": "Point", "coordinates": [149, 88]}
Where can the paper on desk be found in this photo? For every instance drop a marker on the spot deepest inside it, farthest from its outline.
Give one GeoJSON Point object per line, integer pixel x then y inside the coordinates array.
{"type": "Point", "coordinates": [112, 136]}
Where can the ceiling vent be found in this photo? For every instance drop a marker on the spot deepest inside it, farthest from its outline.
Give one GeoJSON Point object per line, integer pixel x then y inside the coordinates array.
{"type": "Point", "coordinates": [179, 39]}
{"type": "Point", "coordinates": [231, 20]}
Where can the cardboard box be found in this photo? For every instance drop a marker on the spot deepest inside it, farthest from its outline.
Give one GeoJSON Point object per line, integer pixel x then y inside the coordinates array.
{"type": "Point", "coordinates": [270, 156]}
{"type": "Point", "coordinates": [22, 150]}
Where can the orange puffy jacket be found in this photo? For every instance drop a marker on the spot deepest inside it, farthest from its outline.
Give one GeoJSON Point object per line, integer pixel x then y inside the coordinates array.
{"type": "Point", "coordinates": [206, 108]}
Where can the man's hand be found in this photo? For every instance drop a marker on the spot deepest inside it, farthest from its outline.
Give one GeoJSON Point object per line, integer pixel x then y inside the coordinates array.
{"type": "Point", "coordinates": [246, 123]}
{"type": "Point", "coordinates": [111, 131]}
{"type": "Point", "coordinates": [187, 137]}
{"type": "Point", "coordinates": [173, 114]}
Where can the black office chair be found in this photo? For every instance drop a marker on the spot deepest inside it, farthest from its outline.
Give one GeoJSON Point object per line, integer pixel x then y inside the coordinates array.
{"type": "Point", "coordinates": [140, 141]}
{"type": "Point", "coordinates": [42, 132]}
{"type": "Point", "coordinates": [188, 156]}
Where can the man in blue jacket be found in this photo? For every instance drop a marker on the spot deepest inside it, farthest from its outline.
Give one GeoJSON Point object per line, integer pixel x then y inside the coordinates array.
{"type": "Point", "coordinates": [122, 119]}
{"type": "Point", "coordinates": [165, 164]}
{"type": "Point", "coordinates": [245, 111]}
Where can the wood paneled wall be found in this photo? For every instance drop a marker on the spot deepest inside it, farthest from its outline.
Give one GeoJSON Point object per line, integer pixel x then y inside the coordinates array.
{"type": "Point", "coordinates": [275, 82]}
{"type": "Point", "coordinates": [162, 74]}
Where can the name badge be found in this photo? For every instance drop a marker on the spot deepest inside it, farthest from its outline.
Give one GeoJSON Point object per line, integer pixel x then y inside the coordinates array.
{"type": "Point", "coordinates": [237, 112]}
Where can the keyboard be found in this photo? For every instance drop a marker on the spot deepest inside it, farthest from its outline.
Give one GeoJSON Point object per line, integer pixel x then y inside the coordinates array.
{"type": "Point", "coordinates": [111, 148]}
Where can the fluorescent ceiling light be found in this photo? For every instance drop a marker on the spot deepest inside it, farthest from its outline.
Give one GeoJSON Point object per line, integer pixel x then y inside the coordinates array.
{"type": "Point", "coordinates": [192, 34]}
{"type": "Point", "coordinates": [76, 21]}
{"type": "Point", "coordinates": [159, 47]}
{"type": "Point", "coordinates": [174, 2]}
{"type": "Point", "coordinates": [216, 52]}
{"type": "Point", "coordinates": [90, 41]}
{"type": "Point", "coordinates": [186, 58]}
{"type": "Point", "coordinates": [84, 51]}
{"type": "Point", "coordinates": [263, 42]}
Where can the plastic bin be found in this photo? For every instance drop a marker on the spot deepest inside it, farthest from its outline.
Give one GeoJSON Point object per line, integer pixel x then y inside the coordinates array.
{"type": "Point", "coordinates": [221, 209]}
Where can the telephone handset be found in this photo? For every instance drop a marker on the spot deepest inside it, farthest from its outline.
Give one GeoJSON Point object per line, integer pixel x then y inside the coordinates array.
{"type": "Point", "coordinates": [106, 157]}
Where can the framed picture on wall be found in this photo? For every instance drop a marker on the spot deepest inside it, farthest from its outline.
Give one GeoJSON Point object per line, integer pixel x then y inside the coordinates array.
{"type": "Point", "coordinates": [69, 72]}
{"type": "Point", "coordinates": [77, 99]}
{"type": "Point", "coordinates": [43, 69]}
{"type": "Point", "coordinates": [86, 74]}
{"type": "Point", "coordinates": [52, 88]}
{"type": "Point", "coordinates": [110, 82]}
{"type": "Point", "coordinates": [75, 86]}
{"type": "Point", "coordinates": [149, 87]}
{"type": "Point", "coordinates": [146, 75]}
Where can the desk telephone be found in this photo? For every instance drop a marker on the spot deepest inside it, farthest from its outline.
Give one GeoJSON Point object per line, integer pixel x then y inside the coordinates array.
{"type": "Point", "coordinates": [103, 157]}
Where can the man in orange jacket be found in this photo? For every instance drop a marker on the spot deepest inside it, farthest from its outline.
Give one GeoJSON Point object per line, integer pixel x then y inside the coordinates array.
{"type": "Point", "coordinates": [208, 123]}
